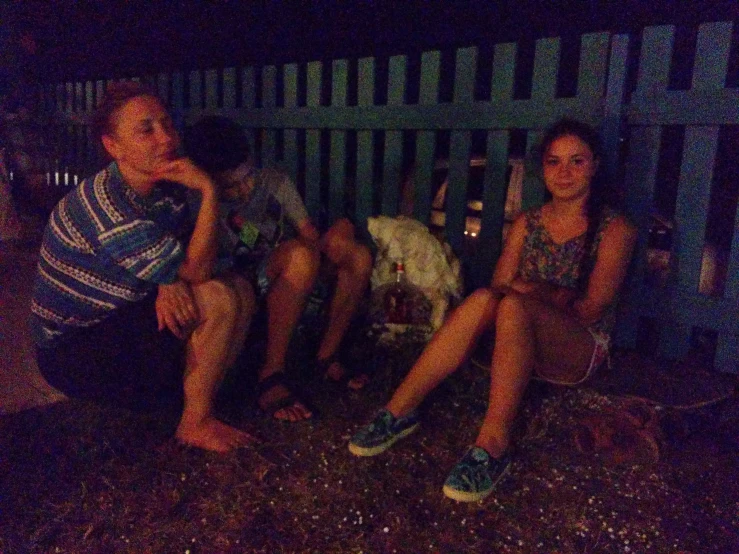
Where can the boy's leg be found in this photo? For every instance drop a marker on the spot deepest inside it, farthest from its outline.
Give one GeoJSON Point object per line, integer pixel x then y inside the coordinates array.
{"type": "Point", "coordinates": [292, 269]}
{"type": "Point", "coordinates": [353, 263]}
{"type": "Point", "coordinates": [223, 320]}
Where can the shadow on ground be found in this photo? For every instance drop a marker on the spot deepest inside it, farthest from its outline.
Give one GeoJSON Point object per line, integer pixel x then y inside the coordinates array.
{"type": "Point", "coordinates": [81, 478]}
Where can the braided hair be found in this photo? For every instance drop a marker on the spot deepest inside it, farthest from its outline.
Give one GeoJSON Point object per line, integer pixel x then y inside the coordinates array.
{"type": "Point", "coordinates": [600, 195]}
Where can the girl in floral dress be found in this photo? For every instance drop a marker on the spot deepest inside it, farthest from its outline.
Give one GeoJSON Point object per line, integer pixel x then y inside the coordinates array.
{"type": "Point", "coordinates": [550, 303]}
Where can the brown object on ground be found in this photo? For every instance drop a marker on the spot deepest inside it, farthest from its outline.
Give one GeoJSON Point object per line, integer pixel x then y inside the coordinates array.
{"type": "Point", "coordinates": [628, 432]}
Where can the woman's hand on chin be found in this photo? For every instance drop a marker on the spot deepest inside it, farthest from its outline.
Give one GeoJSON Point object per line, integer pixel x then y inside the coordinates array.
{"type": "Point", "coordinates": [183, 171]}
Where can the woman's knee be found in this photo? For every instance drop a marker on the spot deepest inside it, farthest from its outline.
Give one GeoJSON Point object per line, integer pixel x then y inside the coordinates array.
{"type": "Point", "coordinates": [302, 263]}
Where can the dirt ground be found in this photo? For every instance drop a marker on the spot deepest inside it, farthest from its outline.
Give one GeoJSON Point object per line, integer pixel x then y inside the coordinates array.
{"type": "Point", "coordinates": [80, 478]}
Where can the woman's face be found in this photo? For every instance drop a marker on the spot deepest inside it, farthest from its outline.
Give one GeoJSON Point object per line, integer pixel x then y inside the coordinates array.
{"type": "Point", "coordinates": [143, 136]}
{"type": "Point", "coordinates": [569, 167]}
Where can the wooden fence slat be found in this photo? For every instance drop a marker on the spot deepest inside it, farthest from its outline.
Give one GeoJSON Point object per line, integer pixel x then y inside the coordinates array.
{"type": "Point", "coordinates": [248, 101]}
{"type": "Point", "coordinates": [229, 87]}
{"type": "Point", "coordinates": [493, 201]}
{"type": "Point", "coordinates": [613, 104]}
{"type": "Point", "coordinates": [533, 189]}
{"type": "Point", "coordinates": [269, 100]}
{"type": "Point", "coordinates": [731, 291]}
{"type": "Point", "coordinates": [337, 160]}
{"type": "Point", "coordinates": [69, 97]}
{"type": "Point", "coordinates": [712, 55]}
{"type": "Point", "coordinates": [313, 142]}
{"type": "Point", "coordinates": [464, 77]}
{"type": "Point", "coordinates": [290, 150]}
{"type": "Point", "coordinates": [313, 90]}
{"type": "Point", "coordinates": [99, 91]}
{"type": "Point", "coordinates": [393, 158]}
{"type": "Point", "coordinates": [459, 152]}
{"type": "Point", "coordinates": [693, 197]}
{"type": "Point", "coordinates": [689, 231]}
{"type": "Point", "coordinates": [641, 175]}
{"type": "Point", "coordinates": [654, 62]}
{"type": "Point", "coordinates": [546, 67]}
{"type": "Point", "coordinates": [196, 92]}
{"type": "Point", "coordinates": [248, 88]}
{"type": "Point", "coordinates": [456, 196]}
{"type": "Point", "coordinates": [591, 77]}
{"type": "Point", "coordinates": [504, 70]}
{"type": "Point", "coordinates": [178, 101]}
{"type": "Point", "coordinates": [727, 352]}
{"type": "Point", "coordinates": [79, 97]}
{"type": "Point", "coordinates": [313, 171]}
{"type": "Point", "coordinates": [364, 182]}
{"type": "Point", "coordinates": [211, 89]}
{"type": "Point", "coordinates": [162, 87]}
{"type": "Point", "coordinates": [425, 140]}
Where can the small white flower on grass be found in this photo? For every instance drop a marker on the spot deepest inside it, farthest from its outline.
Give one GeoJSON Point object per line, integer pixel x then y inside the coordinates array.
{"type": "Point", "coordinates": [386, 530]}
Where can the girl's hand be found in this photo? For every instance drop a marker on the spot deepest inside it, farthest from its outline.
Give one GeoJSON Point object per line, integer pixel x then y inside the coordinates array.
{"type": "Point", "coordinates": [183, 171]}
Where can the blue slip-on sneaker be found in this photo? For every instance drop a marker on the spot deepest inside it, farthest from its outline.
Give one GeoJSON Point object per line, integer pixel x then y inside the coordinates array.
{"type": "Point", "coordinates": [384, 430]}
{"type": "Point", "coordinates": [475, 475]}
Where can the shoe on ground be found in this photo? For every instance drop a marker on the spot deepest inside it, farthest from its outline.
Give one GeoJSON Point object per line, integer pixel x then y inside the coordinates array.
{"type": "Point", "coordinates": [475, 475]}
{"type": "Point", "coordinates": [384, 431]}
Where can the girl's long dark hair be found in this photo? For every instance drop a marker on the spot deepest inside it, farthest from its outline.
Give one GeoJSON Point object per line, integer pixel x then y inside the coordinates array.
{"type": "Point", "coordinates": [601, 194]}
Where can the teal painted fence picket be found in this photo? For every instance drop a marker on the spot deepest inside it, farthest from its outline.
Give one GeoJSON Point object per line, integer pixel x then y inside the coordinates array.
{"type": "Point", "coordinates": [322, 123]}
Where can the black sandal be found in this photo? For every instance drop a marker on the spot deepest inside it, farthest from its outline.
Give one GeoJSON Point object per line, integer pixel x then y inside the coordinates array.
{"type": "Point", "coordinates": [279, 379]}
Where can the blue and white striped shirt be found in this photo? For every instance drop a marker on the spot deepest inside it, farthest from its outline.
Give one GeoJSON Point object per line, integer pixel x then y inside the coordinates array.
{"type": "Point", "coordinates": [105, 247]}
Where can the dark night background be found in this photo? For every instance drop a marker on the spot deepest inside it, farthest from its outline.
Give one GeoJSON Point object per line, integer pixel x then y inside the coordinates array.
{"type": "Point", "coordinates": [103, 39]}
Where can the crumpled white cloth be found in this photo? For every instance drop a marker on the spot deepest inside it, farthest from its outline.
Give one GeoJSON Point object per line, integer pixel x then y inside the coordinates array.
{"type": "Point", "coordinates": [429, 264]}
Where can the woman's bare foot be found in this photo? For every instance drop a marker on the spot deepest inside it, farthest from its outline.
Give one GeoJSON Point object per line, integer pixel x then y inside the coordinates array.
{"type": "Point", "coordinates": [211, 434]}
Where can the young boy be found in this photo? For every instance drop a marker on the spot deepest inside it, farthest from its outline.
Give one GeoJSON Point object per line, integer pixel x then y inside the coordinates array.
{"type": "Point", "coordinates": [266, 233]}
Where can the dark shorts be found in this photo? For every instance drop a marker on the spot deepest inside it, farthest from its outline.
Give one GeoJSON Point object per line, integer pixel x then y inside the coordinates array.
{"type": "Point", "coordinates": [124, 361]}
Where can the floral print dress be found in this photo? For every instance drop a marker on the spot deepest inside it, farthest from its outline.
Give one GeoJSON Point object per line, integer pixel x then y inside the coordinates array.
{"type": "Point", "coordinates": [544, 260]}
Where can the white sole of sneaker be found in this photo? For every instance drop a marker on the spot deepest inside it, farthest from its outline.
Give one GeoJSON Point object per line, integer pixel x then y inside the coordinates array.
{"type": "Point", "coordinates": [461, 496]}
{"type": "Point", "coordinates": [375, 450]}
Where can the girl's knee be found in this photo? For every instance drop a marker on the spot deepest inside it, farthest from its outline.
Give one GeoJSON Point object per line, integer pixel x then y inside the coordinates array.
{"type": "Point", "coordinates": [512, 307]}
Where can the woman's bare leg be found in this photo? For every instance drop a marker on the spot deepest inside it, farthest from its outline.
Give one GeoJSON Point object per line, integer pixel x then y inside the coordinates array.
{"type": "Point", "coordinates": [448, 348]}
{"type": "Point", "coordinates": [528, 334]}
{"type": "Point", "coordinates": [207, 354]}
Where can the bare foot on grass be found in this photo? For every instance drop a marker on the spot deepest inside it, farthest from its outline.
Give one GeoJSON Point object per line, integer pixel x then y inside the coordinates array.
{"type": "Point", "coordinates": [211, 434]}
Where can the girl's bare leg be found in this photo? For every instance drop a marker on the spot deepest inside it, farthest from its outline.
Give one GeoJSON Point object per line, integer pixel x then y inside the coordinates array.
{"type": "Point", "coordinates": [448, 348]}
{"type": "Point", "coordinates": [528, 334]}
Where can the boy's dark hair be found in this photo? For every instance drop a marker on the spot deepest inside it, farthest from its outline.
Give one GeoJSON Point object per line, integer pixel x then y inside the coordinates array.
{"type": "Point", "coordinates": [216, 144]}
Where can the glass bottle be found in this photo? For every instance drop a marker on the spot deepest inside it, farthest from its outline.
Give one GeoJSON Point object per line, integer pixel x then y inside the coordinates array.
{"type": "Point", "coordinates": [397, 297]}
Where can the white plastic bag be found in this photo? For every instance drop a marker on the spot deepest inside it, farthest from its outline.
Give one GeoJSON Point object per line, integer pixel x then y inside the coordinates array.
{"type": "Point", "coordinates": [429, 264]}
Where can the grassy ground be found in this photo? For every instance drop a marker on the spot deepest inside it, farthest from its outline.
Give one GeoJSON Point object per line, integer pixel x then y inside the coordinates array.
{"type": "Point", "coordinates": [81, 478]}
